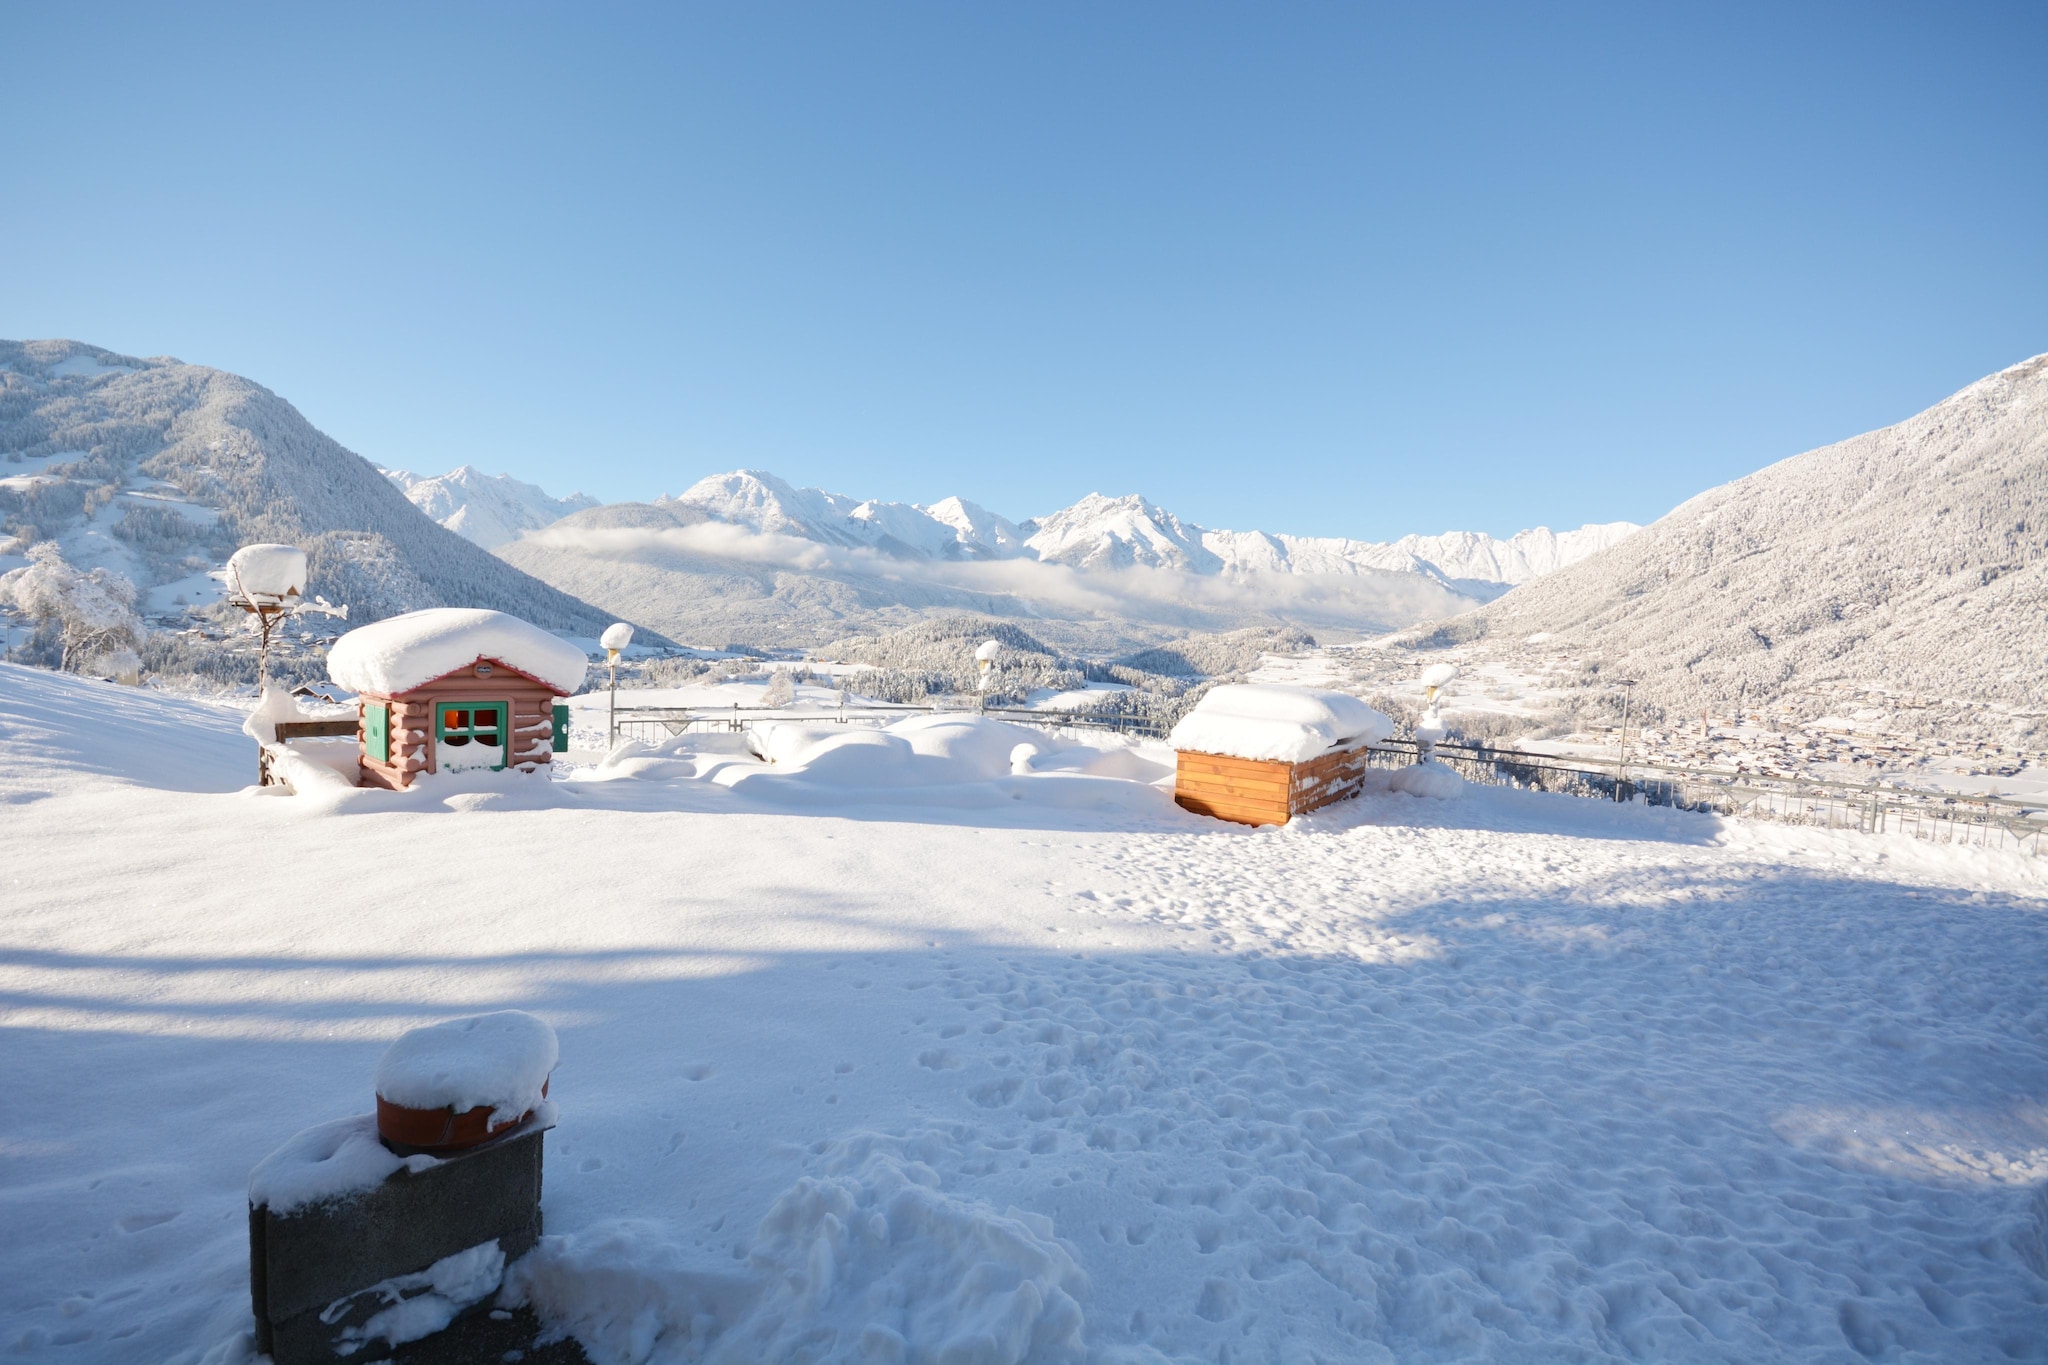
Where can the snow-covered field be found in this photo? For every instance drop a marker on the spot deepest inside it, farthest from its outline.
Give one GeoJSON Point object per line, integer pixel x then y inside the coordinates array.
{"type": "Point", "coordinates": [997, 1065]}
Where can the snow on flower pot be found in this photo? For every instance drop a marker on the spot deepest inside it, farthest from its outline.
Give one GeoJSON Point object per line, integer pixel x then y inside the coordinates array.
{"type": "Point", "coordinates": [1263, 753]}
{"type": "Point", "coordinates": [451, 688]}
{"type": "Point", "coordinates": [451, 1086]}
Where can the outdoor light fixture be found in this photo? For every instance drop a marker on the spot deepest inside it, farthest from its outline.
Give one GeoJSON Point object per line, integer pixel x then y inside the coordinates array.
{"type": "Point", "coordinates": [617, 636]}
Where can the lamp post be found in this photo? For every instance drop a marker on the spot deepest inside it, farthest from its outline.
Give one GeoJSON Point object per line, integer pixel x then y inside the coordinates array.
{"type": "Point", "coordinates": [1627, 686]}
{"type": "Point", "coordinates": [269, 582]}
{"type": "Point", "coordinates": [616, 637]}
{"type": "Point", "coordinates": [985, 654]}
{"type": "Point", "coordinates": [1429, 731]}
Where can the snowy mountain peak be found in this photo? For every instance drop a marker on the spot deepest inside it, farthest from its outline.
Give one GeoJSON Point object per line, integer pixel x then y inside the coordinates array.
{"type": "Point", "coordinates": [1524, 556]}
{"type": "Point", "coordinates": [951, 529]}
{"type": "Point", "coordinates": [488, 509]}
{"type": "Point", "coordinates": [764, 503]}
{"type": "Point", "coordinates": [978, 529]}
{"type": "Point", "coordinates": [1100, 532]}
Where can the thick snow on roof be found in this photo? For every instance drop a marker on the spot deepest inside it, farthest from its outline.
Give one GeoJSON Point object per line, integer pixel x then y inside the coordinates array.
{"type": "Point", "coordinates": [497, 1061]}
{"type": "Point", "coordinates": [399, 654]}
{"type": "Point", "coordinates": [1277, 722]}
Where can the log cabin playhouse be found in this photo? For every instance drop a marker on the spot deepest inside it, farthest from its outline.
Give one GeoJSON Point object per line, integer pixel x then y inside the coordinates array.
{"type": "Point", "coordinates": [455, 688]}
{"type": "Point", "coordinates": [1262, 753]}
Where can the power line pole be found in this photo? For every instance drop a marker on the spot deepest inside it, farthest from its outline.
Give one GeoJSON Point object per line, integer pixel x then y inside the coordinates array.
{"type": "Point", "coordinates": [1627, 686]}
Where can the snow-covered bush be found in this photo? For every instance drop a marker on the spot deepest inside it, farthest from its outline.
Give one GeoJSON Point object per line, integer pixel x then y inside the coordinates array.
{"type": "Point", "coordinates": [93, 611]}
{"type": "Point", "coordinates": [781, 689]}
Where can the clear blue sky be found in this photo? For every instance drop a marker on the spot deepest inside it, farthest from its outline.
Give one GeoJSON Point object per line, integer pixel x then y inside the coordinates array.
{"type": "Point", "coordinates": [1330, 269]}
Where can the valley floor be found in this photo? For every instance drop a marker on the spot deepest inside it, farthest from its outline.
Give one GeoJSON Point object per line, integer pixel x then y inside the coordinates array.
{"type": "Point", "coordinates": [1036, 1069]}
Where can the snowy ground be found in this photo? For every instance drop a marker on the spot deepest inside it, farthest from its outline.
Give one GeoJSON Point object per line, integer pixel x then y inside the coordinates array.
{"type": "Point", "coordinates": [1035, 1066]}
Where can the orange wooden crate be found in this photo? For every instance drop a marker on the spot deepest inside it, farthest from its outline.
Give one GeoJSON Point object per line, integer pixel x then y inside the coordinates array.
{"type": "Point", "coordinates": [1254, 791]}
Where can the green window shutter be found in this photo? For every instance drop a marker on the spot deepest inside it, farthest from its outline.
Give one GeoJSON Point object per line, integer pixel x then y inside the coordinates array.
{"type": "Point", "coordinates": [561, 727]}
{"type": "Point", "coordinates": [377, 731]}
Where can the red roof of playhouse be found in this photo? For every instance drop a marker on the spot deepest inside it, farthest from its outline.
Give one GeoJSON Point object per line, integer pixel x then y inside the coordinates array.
{"type": "Point", "coordinates": [406, 652]}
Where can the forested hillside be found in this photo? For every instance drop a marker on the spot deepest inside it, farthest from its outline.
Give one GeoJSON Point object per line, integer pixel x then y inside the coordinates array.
{"type": "Point", "coordinates": [157, 469]}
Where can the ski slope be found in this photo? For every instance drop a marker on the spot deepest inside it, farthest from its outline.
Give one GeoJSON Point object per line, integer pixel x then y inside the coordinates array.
{"type": "Point", "coordinates": [1006, 1063]}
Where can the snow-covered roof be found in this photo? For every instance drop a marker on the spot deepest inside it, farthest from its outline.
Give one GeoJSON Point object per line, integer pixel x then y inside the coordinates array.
{"type": "Point", "coordinates": [404, 652]}
{"type": "Point", "coordinates": [1276, 722]}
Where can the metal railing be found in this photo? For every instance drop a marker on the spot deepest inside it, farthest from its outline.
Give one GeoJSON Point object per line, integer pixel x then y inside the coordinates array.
{"type": "Point", "coordinates": [1936, 814]}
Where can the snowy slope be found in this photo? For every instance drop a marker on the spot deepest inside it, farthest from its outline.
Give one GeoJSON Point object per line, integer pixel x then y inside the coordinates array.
{"type": "Point", "coordinates": [1028, 1069]}
{"type": "Point", "coordinates": [1913, 558]}
{"type": "Point", "coordinates": [485, 509]}
{"type": "Point", "coordinates": [158, 469]}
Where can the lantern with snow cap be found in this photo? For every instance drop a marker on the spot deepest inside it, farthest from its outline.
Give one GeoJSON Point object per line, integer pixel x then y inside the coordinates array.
{"type": "Point", "coordinates": [269, 582]}
{"type": "Point", "coordinates": [617, 636]}
{"type": "Point", "coordinates": [1430, 730]}
{"type": "Point", "coordinates": [986, 654]}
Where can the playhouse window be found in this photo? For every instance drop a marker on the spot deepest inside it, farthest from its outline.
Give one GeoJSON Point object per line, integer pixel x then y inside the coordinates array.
{"type": "Point", "coordinates": [461, 725]}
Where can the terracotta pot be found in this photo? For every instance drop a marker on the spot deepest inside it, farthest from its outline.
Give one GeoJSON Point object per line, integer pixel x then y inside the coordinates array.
{"type": "Point", "coordinates": [436, 1131]}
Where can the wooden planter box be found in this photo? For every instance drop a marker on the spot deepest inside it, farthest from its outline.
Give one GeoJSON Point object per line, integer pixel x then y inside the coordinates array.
{"type": "Point", "coordinates": [1254, 791]}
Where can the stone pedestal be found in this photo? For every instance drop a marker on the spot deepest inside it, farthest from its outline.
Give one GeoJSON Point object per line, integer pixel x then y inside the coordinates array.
{"type": "Point", "coordinates": [311, 1270]}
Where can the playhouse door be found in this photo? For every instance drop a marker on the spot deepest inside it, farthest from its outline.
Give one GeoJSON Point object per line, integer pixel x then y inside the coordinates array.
{"type": "Point", "coordinates": [469, 734]}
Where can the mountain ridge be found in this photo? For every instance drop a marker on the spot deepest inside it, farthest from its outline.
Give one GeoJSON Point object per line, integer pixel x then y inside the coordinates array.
{"type": "Point", "coordinates": [157, 469]}
{"type": "Point", "coordinates": [484, 509]}
{"type": "Point", "coordinates": [1100, 531]}
{"type": "Point", "coordinates": [1912, 559]}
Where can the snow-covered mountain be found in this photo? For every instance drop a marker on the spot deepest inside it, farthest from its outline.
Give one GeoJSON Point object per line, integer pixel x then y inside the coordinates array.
{"type": "Point", "coordinates": [156, 470]}
{"type": "Point", "coordinates": [748, 555]}
{"type": "Point", "coordinates": [1120, 533]}
{"type": "Point", "coordinates": [950, 529]}
{"type": "Point", "coordinates": [1912, 559]}
{"type": "Point", "coordinates": [485, 509]}
{"type": "Point", "coordinates": [1477, 557]}
{"type": "Point", "coordinates": [1101, 532]}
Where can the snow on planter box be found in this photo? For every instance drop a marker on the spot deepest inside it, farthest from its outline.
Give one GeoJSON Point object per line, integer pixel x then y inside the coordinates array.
{"type": "Point", "coordinates": [456, 688]}
{"type": "Point", "coordinates": [1263, 753]}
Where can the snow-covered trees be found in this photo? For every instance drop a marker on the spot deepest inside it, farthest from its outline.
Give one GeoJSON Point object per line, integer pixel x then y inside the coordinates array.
{"type": "Point", "coordinates": [93, 611]}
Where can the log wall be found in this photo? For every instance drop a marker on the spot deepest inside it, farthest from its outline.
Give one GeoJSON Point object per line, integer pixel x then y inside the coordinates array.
{"type": "Point", "coordinates": [530, 718]}
{"type": "Point", "coordinates": [1261, 791]}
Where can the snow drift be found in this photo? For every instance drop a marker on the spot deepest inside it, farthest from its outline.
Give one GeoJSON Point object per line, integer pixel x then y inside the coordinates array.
{"type": "Point", "coordinates": [869, 1260]}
